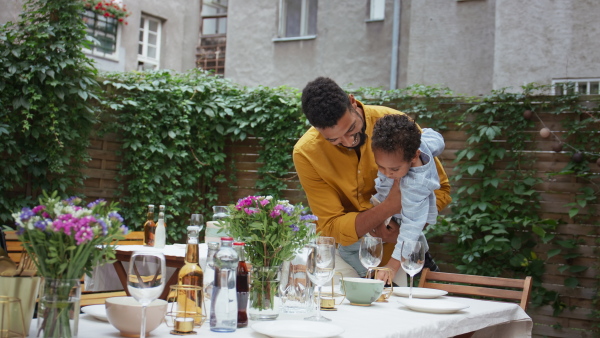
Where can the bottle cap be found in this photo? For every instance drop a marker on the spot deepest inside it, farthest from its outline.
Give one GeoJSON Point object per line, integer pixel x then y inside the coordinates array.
{"type": "Point", "coordinates": [227, 238]}
{"type": "Point", "coordinates": [239, 243]}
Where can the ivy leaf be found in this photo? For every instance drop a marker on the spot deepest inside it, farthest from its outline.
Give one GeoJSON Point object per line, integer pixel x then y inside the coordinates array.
{"type": "Point", "coordinates": [488, 238]}
{"type": "Point", "coordinates": [172, 134]}
{"type": "Point", "coordinates": [553, 252]}
{"type": "Point", "coordinates": [578, 268]}
{"type": "Point", "coordinates": [571, 282]}
{"type": "Point", "coordinates": [539, 231]}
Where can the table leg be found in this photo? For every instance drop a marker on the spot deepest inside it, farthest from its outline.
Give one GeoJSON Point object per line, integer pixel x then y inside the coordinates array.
{"type": "Point", "coordinates": [122, 275]}
{"type": "Point", "coordinates": [171, 281]}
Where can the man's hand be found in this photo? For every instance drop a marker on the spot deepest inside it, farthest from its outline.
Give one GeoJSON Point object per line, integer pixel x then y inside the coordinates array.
{"type": "Point", "coordinates": [394, 266]}
{"type": "Point", "coordinates": [389, 233]}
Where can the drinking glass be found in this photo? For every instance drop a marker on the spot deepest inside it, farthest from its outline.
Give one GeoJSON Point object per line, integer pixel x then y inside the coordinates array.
{"type": "Point", "coordinates": [412, 260]}
{"type": "Point", "coordinates": [146, 280]}
{"type": "Point", "coordinates": [370, 253]}
{"type": "Point", "coordinates": [320, 267]}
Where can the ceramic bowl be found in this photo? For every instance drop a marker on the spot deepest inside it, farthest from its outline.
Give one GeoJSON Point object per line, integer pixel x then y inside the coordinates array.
{"type": "Point", "coordinates": [125, 314]}
{"type": "Point", "coordinates": [361, 291]}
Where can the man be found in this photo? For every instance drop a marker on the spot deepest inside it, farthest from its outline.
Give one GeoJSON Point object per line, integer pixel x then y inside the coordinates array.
{"type": "Point", "coordinates": [337, 170]}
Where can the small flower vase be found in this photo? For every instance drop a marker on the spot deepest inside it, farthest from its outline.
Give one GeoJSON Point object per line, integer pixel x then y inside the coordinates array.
{"type": "Point", "coordinates": [58, 313]}
{"type": "Point", "coordinates": [263, 299]}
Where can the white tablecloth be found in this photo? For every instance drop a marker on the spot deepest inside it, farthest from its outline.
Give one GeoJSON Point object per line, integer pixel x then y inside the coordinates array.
{"type": "Point", "coordinates": [493, 319]}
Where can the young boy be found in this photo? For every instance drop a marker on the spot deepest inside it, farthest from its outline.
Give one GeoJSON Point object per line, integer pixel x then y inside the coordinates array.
{"type": "Point", "coordinates": [402, 152]}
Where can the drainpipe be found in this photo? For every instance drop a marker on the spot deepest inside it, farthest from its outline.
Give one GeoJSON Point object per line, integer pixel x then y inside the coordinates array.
{"type": "Point", "coordinates": [395, 45]}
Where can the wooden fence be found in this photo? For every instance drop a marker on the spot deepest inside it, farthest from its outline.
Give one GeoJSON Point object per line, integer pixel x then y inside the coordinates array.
{"type": "Point", "coordinates": [556, 191]}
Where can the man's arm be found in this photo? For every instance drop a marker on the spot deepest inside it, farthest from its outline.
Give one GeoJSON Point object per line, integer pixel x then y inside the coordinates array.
{"type": "Point", "coordinates": [326, 203]}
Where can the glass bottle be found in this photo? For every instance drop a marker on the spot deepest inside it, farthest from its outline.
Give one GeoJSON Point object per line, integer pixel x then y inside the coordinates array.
{"type": "Point", "coordinates": [241, 285]}
{"type": "Point", "coordinates": [213, 247]}
{"type": "Point", "coordinates": [223, 307]}
{"type": "Point", "coordinates": [191, 274]}
{"type": "Point", "coordinates": [161, 208]}
{"type": "Point", "coordinates": [160, 234]}
{"type": "Point", "coordinates": [149, 226]}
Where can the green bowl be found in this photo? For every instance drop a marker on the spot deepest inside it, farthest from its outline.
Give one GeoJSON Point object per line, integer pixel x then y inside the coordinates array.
{"type": "Point", "coordinates": [361, 291]}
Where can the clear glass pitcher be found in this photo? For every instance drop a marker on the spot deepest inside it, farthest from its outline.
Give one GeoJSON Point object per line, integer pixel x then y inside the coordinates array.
{"type": "Point", "coordinates": [220, 212]}
{"type": "Point", "coordinates": [295, 288]}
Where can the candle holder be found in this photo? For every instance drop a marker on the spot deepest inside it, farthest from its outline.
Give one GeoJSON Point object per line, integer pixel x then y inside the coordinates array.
{"type": "Point", "coordinates": [185, 310]}
{"type": "Point", "coordinates": [387, 290]}
{"type": "Point", "coordinates": [12, 323]}
{"type": "Point", "coordinates": [330, 299]}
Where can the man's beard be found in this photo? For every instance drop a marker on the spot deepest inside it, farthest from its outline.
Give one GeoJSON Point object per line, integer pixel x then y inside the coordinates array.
{"type": "Point", "coordinates": [362, 138]}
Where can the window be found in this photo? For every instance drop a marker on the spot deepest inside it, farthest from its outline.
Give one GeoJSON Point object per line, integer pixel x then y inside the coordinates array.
{"type": "Point", "coordinates": [377, 10]}
{"type": "Point", "coordinates": [214, 17]}
{"type": "Point", "coordinates": [582, 86]}
{"type": "Point", "coordinates": [103, 33]}
{"type": "Point", "coordinates": [298, 18]}
{"type": "Point", "coordinates": [149, 43]}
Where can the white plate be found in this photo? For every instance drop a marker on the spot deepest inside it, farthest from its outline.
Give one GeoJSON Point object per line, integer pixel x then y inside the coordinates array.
{"type": "Point", "coordinates": [433, 305]}
{"type": "Point", "coordinates": [96, 311]}
{"type": "Point", "coordinates": [297, 329]}
{"type": "Point", "coordinates": [403, 291]}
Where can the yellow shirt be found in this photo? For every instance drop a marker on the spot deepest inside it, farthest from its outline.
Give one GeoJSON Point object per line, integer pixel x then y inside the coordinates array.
{"type": "Point", "coordinates": [338, 186]}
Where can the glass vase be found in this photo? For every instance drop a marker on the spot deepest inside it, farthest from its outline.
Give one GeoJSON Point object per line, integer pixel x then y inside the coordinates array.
{"type": "Point", "coordinates": [58, 313]}
{"type": "Point", "coordinates": [263, 300]}
{"type": "Point", "coordinates": [295, 288]}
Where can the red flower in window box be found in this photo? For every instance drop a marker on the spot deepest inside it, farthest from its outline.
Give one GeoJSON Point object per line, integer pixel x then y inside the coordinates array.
{"type": "Point", "coordinates": [108, 8]}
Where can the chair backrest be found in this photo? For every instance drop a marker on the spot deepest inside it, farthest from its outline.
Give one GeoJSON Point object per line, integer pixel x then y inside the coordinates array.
{"type": "Point", "coordinates": [133, 238]}
{"type": "Point", "coordinates": [493, 287]}
{"type": "Point", "coordinates": [14, 248]}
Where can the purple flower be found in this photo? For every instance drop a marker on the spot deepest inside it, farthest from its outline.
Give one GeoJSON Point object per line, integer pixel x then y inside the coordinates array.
{"type": "Point", "coordinates": [276, 211]}
{"type": "Point", "coordinates": [294, 227]}
{"type": "Point", "coordinates": [40, 225]}
{"type": "Point", "coordinates": [251, 211]}
{"type": "Point", "coordinates": [103, 225]}
{"type": "Point", "coordinates": [264, 202]}
{"type": "Point", "coordinates": [26, 214]}
{"type": "Point", "coordinates": [124, 229]}
{"type": "Point", "coordinates": [114, 216]}
{"type": "Point", "coordinates": [289, 209]}
{"type": "Point", "coordinates": [73, 200]}
{"type": "Point", "coordinates": [99, 201]}
{"type": "Point", "coordinates": [20, 230]}
{"type": "Point", "coordinates": [308, 218]}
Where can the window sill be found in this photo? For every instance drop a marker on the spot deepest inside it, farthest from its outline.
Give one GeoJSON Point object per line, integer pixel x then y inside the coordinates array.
{"type": "Point", "coordinates": [114, 58]}
{"type": "Point", "coordinates": [296, 38]}
{"type": "Point", "coordinates": [374, 20]}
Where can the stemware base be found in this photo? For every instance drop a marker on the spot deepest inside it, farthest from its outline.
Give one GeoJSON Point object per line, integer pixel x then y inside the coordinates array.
{"type": "Point", "coordinates": [318, 319]}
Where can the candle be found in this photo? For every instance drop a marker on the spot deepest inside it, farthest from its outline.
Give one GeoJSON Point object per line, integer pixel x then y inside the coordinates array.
{"type": "Point", "coordinates": [184, 324]}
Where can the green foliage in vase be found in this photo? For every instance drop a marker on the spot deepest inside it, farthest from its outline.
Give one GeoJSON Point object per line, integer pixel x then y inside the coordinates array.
{"type": "Point", "coordinates": [46, 87]}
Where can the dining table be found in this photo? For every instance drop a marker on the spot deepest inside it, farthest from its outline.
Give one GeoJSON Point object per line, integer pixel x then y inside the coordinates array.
{"type": "Point", "coordinates": [380, 320]}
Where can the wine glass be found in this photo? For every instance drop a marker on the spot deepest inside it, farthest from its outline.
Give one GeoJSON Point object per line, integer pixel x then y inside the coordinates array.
{"type": "Point", "coordinates": [413, 259]}
{"type": "Point", "coordinates": [146, 280]}
{"type": "Point", "coordinates": [370, 253]}
{"type": "Point", "coordinates": [320, 267]}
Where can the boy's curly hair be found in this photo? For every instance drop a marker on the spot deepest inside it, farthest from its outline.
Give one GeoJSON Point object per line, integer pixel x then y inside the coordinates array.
{"type": "Point", "coordinates": [397, 133]}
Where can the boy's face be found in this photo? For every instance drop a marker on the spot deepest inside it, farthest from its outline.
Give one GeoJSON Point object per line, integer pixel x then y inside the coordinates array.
{"type": "Point", "coordinates": [392, 165]}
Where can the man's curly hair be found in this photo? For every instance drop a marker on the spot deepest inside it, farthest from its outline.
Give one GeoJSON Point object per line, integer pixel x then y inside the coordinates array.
{"type": "Point", "coordinates": [396, 133]}
{"type": "Point", "coordinates": [324, 102]}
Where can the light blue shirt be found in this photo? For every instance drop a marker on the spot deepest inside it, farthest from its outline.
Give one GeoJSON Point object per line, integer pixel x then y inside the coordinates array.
{"type": "Point", "coordinates": [417, 188]}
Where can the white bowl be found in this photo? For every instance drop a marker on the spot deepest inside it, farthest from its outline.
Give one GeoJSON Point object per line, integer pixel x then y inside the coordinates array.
{"type": "Point", "coordinates": [125, 314]}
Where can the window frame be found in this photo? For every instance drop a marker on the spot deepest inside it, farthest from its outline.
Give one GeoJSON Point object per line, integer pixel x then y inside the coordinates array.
{"type": "Point", "coordinates": [576, 85]}
{"type": "Point", "coordinates": [144, 58]}
{"type": "Point", "coordinates": [372, 6]}
{"type": "Point", "coordinates": [304, 22]}
{"type": "Point", "coordinates": [114, 56]}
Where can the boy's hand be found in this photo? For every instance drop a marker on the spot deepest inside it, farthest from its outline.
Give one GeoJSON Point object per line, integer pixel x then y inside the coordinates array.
{"type": "Point", "coordinates": [388, 233]}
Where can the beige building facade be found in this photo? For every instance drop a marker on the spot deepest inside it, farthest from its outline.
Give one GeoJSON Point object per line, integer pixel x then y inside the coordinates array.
{"type": "Point", "coordinates": [158, 35]}
{"type": "Point", "coordinates": [472, 47]}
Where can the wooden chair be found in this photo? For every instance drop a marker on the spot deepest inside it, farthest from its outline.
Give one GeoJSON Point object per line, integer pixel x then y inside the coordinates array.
{"type": "Point", "coordinates": [496, 288]}
{"type": "Point", "coordinates": [98, 297]}
{"type": "Point", "coordinates": [14, 248]}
